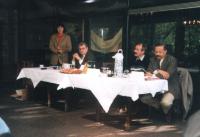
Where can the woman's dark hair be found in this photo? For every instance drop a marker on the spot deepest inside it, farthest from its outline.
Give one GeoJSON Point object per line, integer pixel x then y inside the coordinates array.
{"type": "Point", "coordinates": [61, 25]}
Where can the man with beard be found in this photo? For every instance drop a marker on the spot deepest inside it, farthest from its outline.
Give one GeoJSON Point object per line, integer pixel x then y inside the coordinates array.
{"type": "Point", "coordinates": [163, 66]}
{"type": "Point", "coordinates": [140, 59]}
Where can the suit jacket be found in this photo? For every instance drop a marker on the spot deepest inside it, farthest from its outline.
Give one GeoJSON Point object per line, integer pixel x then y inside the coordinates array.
{"type": "Point", "coordinates": [65, 45]}
{"type": "Point", "coordinates": [141, 64]}
{"type": "Point", "coordinates": [186, 84]}
{"type": "Point", "coordinates": [85, 60]}
{"type": "Point", "coordinates": [169, 64]}
{"type": "Point", "coordinates": [88, 57]}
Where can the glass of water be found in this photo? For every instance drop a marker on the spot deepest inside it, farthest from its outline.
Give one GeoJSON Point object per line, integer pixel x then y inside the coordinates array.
{"type": "Point", "coordinates": [72, 66]}
{"type": "Point", "coordinates": [125, 73]}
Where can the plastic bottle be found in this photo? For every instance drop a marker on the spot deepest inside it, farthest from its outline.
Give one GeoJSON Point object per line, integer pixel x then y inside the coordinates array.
{"type": "Point", "coordinates": [118, 66]}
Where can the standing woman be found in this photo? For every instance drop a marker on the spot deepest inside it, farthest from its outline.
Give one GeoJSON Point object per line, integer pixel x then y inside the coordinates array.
{"type": "Point", "coordinates": [60, 44]}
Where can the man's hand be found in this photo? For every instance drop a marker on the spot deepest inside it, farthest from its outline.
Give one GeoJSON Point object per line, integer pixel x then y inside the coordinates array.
{"type": "Point", "coordinates": [165, 74]}
{"type": "Point", "coordinates": [148, 74]}
{"type": "Point", "coordinates": [60, 51]}
{"type": "Point", "coordinates": [76, 57]}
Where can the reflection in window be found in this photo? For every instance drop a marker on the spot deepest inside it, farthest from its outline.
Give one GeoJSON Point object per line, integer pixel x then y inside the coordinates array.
{"type": "Point", "coordinates": [105, 37]}
{"type": "Point", "coordinates": [165, 33]}
{"type": "Point", "coordinates": [192, 44]}
{"type": "Point", "coordinates": [75, 31]}
{"type": "Point", "coordinates": [150, 34]}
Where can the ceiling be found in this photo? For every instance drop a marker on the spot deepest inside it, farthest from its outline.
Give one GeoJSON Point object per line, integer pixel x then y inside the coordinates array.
{"type": "Point", "coordinates": [74, 7]}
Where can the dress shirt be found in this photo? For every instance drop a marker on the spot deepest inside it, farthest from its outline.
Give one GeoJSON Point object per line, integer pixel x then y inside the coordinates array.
{"type": "Point", "coordinates": [81, 60]}
{"type": "Point", "coordinates": [161, 61]}
{"type": "Point", "coordinates": [140, 58]}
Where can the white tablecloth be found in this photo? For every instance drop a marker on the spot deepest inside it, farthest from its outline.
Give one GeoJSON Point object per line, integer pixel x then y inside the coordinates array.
{"type": "Point", "coordinates": [105, 89]}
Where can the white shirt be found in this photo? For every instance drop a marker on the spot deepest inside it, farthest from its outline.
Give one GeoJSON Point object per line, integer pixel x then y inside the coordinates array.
{"type": "Point", "coordinates": [140, 58]}
{"type": "Point", "coordinates": [81, 60]}
{"type": "Point", "coordinates": [161, 61]}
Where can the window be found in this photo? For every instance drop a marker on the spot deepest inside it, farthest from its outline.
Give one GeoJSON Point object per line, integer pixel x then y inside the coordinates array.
{"type": "Point", "coordinates": [181, 34]}
{"type": "Point", "coordinates": [192, 43]}
{"type": "Point", "coordinates": [150, 34]}
{"type": "Point", "coordinates": [105, 37]}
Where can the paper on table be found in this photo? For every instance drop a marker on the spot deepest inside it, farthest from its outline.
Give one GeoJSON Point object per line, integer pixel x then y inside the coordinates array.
{"type": "Point", "coordinates": [153, 77]}
{"type": "Point", "coordinates": [138, 76]}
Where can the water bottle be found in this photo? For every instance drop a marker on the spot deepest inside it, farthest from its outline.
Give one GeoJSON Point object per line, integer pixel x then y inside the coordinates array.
{"type": "Point", "coordinates": [118, 67]}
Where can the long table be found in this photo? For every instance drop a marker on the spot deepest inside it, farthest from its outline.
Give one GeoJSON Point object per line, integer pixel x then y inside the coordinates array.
{"type": "Point", "coordinates": [105, 89]}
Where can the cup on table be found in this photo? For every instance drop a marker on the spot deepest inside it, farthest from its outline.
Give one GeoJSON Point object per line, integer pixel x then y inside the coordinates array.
{"type": "Point", "coordinates": [110, 73]}
{"type": "Point", "coordinates": [126, 73]}
{"type": "Point", "coordinates": [104, 70]}
{"type": "Point", "coordinates": [41, 66]}
{"type": "Point", "coordinates": [91, 64]}
{"type": "Point", "coordinates": [72, 66]}
{"type": "Point", "coordinates": [65, 66]}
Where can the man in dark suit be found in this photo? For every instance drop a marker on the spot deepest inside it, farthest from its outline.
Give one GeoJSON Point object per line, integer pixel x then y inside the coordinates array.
{"type": "Point", "coordinates": [81, 57]}
{"type": "Point", "coordinates": [140, 60]}
{"type": "Point", "coordinates": [164, 66]}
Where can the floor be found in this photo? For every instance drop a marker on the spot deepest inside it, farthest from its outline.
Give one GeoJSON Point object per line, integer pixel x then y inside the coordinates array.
{"type": "Point", "coordinates": [33, 119]}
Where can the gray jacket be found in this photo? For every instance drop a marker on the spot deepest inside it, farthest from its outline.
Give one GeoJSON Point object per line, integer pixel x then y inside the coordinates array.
{"type": "Point", "coordinates": [185, 81]}
{"type": "Point", "coordinates": [169, 64]}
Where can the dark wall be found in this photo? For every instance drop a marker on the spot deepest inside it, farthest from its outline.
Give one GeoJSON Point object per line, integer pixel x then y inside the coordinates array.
{"type": "Point", "coordinates": [8, 44]}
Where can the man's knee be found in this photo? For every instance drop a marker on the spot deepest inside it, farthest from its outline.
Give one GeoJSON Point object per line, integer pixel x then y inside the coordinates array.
{"type": "Point", "coordinates": [167, 102]}
{"type": "Point", "coordinates": [146, 98]}
{"type": "Point", "coordinates": [149, 100]}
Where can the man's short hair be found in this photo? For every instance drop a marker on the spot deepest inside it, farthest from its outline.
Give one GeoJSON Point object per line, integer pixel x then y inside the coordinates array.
{"type": "Point", "coordinates": [160, 44]}
{"type": "Point", "coordinates": [143, 46]}
{"type": "Point", "coordinates": [82, 43]}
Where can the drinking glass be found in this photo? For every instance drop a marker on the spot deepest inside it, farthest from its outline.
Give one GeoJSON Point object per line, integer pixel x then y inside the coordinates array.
{"type": "Point", "coordinates": [91, 64]}
{"type": "Point", "coordinates": [72, 66]}
{"type": "Point", "coordinates": [126, 72]}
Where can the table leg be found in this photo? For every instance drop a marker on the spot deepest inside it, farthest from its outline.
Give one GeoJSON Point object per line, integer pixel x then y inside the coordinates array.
{"type": "Point", "coordinates": [48, 98]}
{"type": "Point", "coordinates": [127, 123]}
{"type": "Point", "coordinates": [68, 99]}
{"type": "Point", "coordinates": [51, 95]}
{"type": "Point", "coordinates": [98, 112]}
{"type": "Point", "coordinates": [128, 119]}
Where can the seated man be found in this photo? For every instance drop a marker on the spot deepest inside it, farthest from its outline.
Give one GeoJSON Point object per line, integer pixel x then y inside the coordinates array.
{"type": "Point", "coordinates": [163, 66]}
{"type": "Point", "coordinates": [140, 59]}
{"type": "Point", "coordinates": [82, 56]}
{"type": "Point", "coordinates": [79, 59]}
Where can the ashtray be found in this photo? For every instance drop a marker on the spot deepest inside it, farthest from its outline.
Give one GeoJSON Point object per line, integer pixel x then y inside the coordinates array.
{"type": "Point", "coordinates": [43, 68]}
{"type": "Point", "coordinates": [110, 75]}
{"type": "Point", "coordinates": [55, 67]}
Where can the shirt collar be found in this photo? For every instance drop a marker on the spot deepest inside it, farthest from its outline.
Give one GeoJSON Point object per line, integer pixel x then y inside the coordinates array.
{"type": "Point", "coordinates": [140, 58]}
